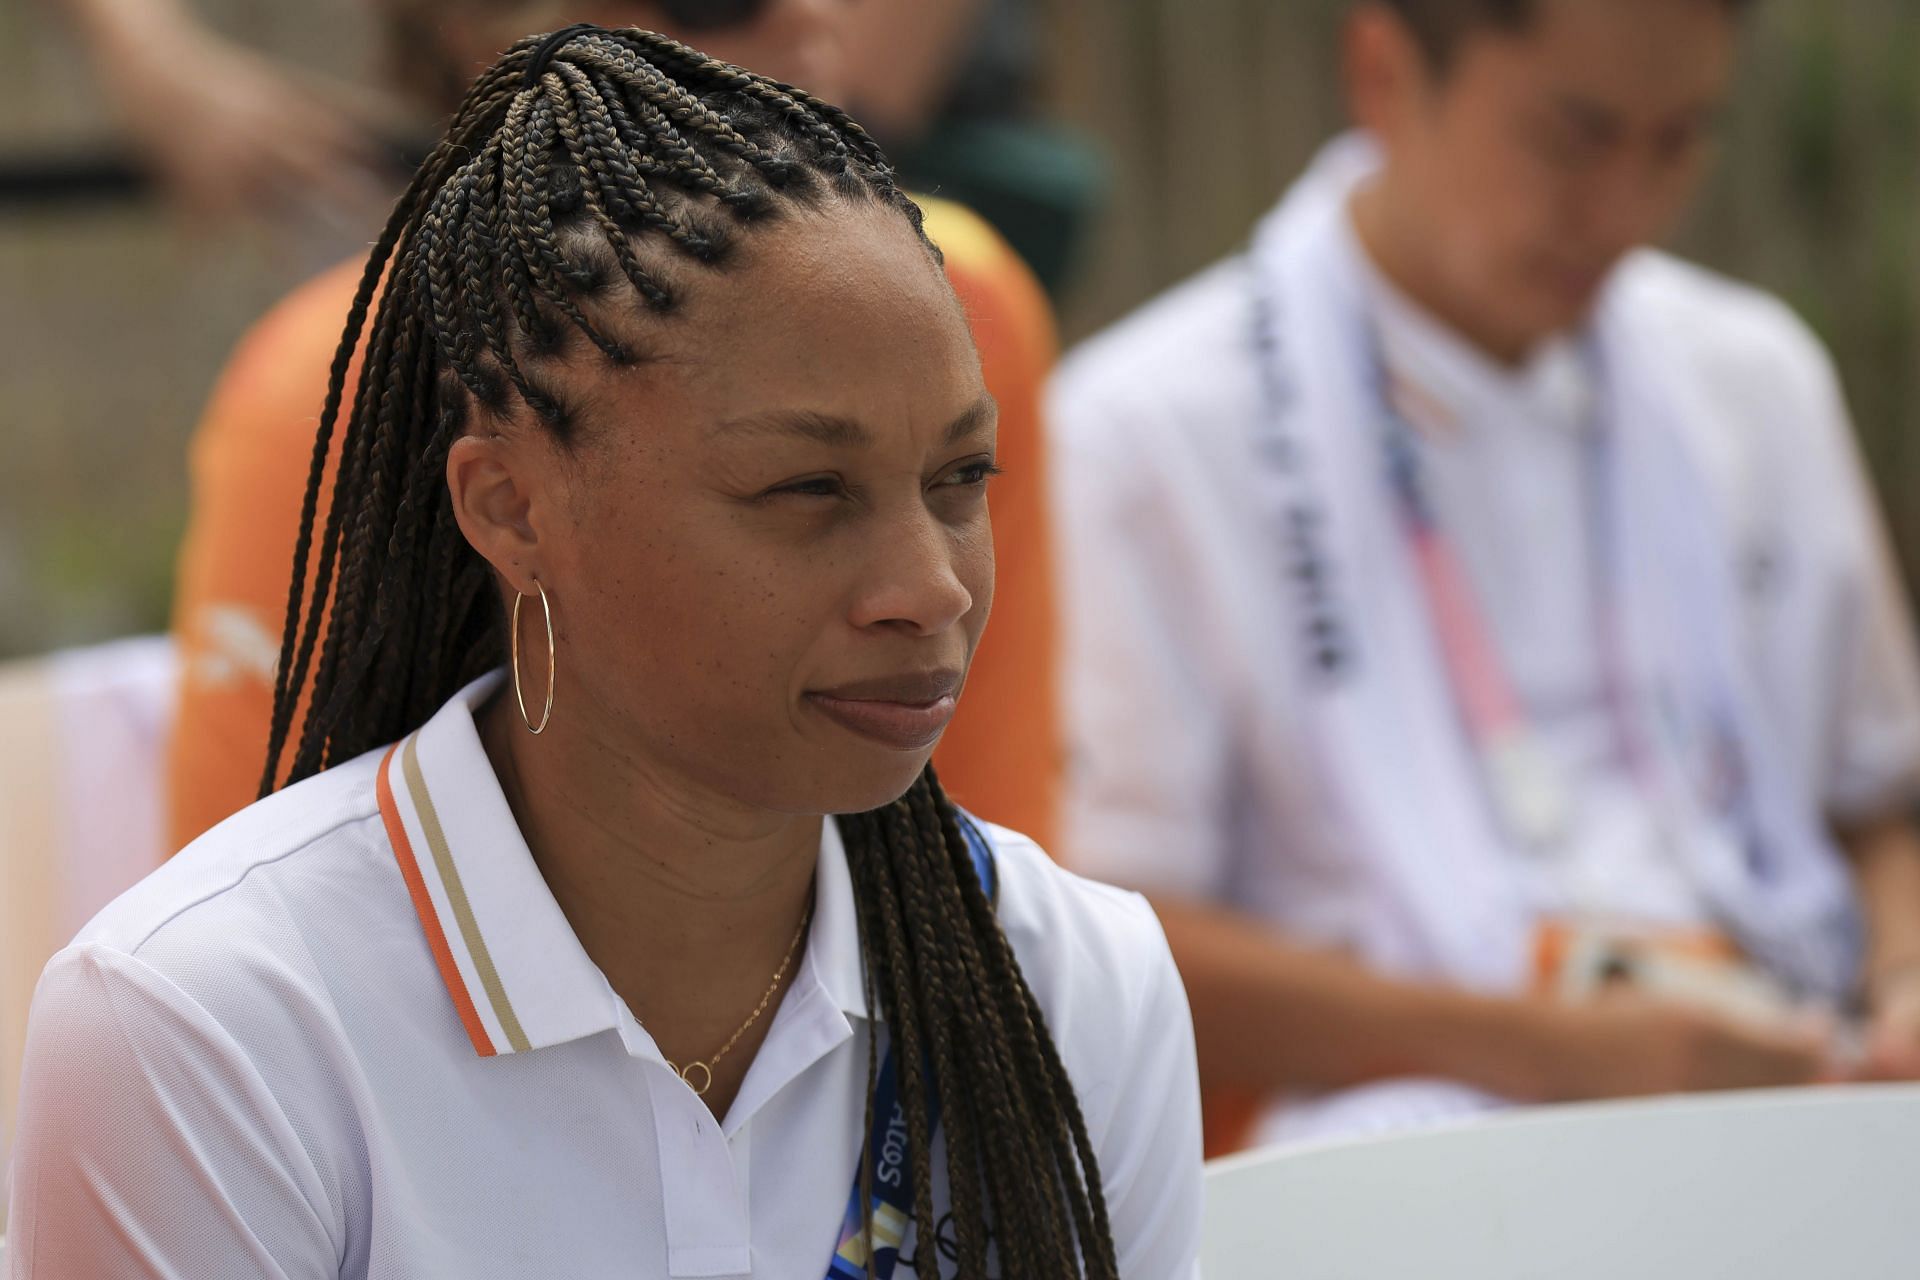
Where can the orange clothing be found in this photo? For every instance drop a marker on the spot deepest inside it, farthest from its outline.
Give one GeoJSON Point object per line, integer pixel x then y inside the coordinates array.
{"type": "Point", "coordinates": [249, 462]}
{"type": "Point", "coordinates": [1002, 755]}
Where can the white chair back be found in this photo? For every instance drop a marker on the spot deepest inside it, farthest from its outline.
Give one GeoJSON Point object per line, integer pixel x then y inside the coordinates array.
{"type": "Point", "coordinates": [1762, 1186]}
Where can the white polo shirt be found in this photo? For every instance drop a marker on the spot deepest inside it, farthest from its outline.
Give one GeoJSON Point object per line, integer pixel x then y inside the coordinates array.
{"type": "Point", "coordinates": [350, 1033]}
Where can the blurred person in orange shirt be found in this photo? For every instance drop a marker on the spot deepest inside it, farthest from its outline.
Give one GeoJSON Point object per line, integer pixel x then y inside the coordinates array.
{"type": "Point", "coordinates": [252, 450]}
{"type": "Point", "coordinates": [1479, 638]}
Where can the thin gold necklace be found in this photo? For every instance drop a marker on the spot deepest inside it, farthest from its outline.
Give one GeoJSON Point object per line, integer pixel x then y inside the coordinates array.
{"type": "Point", "coordinates": [705, 1069]}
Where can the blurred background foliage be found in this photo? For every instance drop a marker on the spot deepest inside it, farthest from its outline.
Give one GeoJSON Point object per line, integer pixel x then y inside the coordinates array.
{"type": "Point", "coordinates": [113, 320]}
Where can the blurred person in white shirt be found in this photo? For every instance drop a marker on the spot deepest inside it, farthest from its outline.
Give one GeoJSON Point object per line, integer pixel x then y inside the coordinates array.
{"type": "Point", "coordinates": [1481, 642]}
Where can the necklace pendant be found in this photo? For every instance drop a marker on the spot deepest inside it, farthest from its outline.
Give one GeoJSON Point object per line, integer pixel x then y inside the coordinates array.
{"type": "Point", "coordinates": [705, 1069]}
{"type": "Point", "coordinates": [687, 1074]}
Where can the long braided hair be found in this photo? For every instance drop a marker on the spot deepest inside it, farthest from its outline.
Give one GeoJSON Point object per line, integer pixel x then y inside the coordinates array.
{"type": "Point", "coordinates": [594, 167]}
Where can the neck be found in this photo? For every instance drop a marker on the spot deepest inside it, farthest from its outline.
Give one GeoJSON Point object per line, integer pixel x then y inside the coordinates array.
{"type": "Point", "coordinates": [1400, 247]}
{"type": "Point", "coordinates": [685, 899]}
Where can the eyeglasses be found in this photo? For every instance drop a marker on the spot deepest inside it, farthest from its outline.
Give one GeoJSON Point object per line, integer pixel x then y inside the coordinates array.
{"type": "Point", "coordinates": [712, 15]}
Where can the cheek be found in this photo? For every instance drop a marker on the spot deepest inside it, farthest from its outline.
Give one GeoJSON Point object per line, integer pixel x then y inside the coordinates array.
{"type": "Point", "coordinates": [1527, 205]}
{"type": "Point", "coordinates": [975, 565]}
{"type": "Point", "coordinates": [1515, 215]}
{"type": "Point", "coordinates": [1487, 203]}
{"type": "Point", "coordinates": [697, 632]}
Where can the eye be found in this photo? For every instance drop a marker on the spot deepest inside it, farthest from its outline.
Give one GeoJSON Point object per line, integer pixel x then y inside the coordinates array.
{"type": "Point", "coordinates": [810, 487]}
{"type": "Point", "coordinates": [973, 474]}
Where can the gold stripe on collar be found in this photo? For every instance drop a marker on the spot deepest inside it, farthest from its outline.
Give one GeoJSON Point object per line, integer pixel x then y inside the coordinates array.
{"type": "Point", "coordinates": [457, 898]}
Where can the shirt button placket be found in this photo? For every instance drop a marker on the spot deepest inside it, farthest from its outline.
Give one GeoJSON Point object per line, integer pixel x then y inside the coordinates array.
{"type": "Point", "coordinates": [702, 1191]}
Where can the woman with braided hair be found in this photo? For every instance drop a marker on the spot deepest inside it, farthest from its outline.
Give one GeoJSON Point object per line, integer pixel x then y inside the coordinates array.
{"type": "Point", "coordinates": [250, 451]}
{"type": "Point", "coordinates": [569, 969]}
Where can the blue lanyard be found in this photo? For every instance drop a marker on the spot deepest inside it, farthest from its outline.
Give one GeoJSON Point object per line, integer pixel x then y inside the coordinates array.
{"type": "Point", "coordinates": [887, 1168]}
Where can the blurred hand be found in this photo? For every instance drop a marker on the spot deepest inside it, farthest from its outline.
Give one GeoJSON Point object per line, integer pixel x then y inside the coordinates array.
{"type": "Point", "coordinates": [1628, 1046]}
{"type": "Point", "coordinates": [231, 133]}
{"type": "Point", "coordinates": [1893, 1032]}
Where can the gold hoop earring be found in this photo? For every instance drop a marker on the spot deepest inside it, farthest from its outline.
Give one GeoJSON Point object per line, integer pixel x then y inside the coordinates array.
{"type": "Point", "coordinates": [546, 609]}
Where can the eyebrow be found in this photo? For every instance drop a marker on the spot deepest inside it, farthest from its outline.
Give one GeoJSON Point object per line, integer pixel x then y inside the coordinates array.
{"type": "Point", "coordinates": [982, 412]}
{"type": "Point", "coordinates": [837, 432]}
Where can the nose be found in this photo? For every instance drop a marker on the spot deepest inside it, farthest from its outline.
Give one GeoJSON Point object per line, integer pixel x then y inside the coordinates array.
{"type": "Point", "coordinates": [1636, 201]}
{"type": "Point", "coordinates": [914, 582]}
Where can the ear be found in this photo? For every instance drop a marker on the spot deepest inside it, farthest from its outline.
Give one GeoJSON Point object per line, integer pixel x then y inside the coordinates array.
{"type": "Point", "coordinates": [499, 496]}
{"type": "Point", "coordinates": [1384, 69]}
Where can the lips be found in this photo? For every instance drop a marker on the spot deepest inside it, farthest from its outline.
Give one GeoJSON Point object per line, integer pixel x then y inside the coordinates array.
{"type": "Point", "coordinates": [906, 711]}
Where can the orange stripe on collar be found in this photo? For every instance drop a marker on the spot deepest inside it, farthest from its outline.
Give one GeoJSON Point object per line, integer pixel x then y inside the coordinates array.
{"type": "Point", "coordinates": [429, 918]}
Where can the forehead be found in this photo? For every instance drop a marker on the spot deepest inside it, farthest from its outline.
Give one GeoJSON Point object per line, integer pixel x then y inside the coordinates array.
{"type": "Point", "coordinates": [838, 310]}
{"type": "Point", "coordinates": [1638, 57]}
{"type": "Point", "coordinates": [853, 271]}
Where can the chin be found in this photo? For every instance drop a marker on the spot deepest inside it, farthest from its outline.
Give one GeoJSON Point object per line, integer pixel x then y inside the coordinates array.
{"type": "Point", "coordinates": [864, 785]}
{"type": "Point", "coordinates": [1566, 304]}
{"type": "Point", "coordinates": [877, 795]}
{"type": "Point", "coordinates": [1546, 314]}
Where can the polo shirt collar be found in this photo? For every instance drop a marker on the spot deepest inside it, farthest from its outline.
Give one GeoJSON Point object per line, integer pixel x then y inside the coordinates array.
{"type": "Point", "coordinates": [833, 943]}
{"type": "Point", "coordinates": [513, 967]}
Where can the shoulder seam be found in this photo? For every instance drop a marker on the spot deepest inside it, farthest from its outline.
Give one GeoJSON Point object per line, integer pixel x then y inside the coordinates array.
{"type": "Point", "coordinates": [241, 879]}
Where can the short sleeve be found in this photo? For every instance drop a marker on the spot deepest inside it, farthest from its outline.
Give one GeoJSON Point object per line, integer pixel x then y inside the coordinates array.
{"type": "Point", "coordinates": [1147, 739]}
{"type": "Point", "coordinates": [149, 1146]}
{"type": "Point", "coordinates": [1856, 631]}
{"type": "Point", "coordinates": [1150, 1160]}
{"type": "Point", "coordinates": [1874, 765]}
